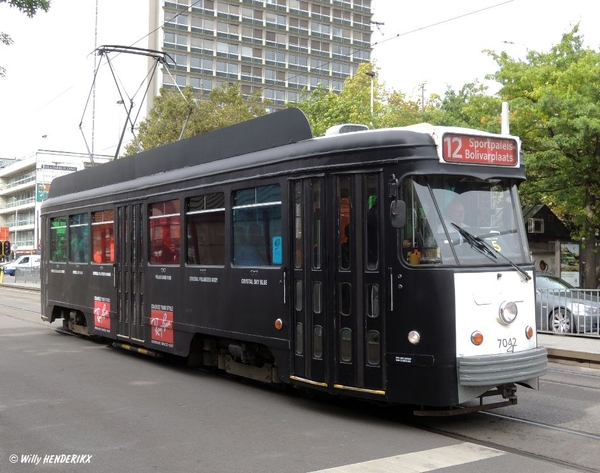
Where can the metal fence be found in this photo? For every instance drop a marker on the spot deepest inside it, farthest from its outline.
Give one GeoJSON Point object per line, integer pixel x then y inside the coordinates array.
{"type": "Point", "coordinates": [568, 311]}
{"type": "Point", "coordinates": [27, 275]}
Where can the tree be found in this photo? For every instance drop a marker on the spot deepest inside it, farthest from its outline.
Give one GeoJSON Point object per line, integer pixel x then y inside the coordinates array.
{"type": "Point", "coordinates": [325, 108]}
{"type": "Point", "coordinates": [30, 8]}
{"type": "Point", "coordinates": [555, 108]}
{"type": "Point", "coordinates": [174, 111]}
{"type": "Point", "coordinates": [471, 107]}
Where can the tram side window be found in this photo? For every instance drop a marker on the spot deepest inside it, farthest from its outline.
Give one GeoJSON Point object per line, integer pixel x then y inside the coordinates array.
{"type": "Point", "coordinates": [418, 243]}
{"type": "Point", "coordinates": [79, 234]}
{"type": "Point", "coordinates": [165, 232]}
{"type": "Point", "coordinates": [205, 216]}
{"type": "Point", "coordinates": [256, 221]}
{"type": "Point", "coordinates": [372, 212]}
{"type": "Point", "coordinates": [58, 239]}
{"type": "Point", "coordinates": [103, 236]}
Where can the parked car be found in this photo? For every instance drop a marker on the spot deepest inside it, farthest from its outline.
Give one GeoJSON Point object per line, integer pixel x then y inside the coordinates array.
{"type": "Point", "coordinates": [561, 308]}
{"type": "Point", "coordinates": [25, 261]}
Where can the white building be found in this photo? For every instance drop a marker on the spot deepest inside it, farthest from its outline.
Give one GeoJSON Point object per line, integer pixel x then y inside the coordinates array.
{"type": "Point", "coordinates": [274, 47]}
{"type": "Point", "coordinates": [24, 185]}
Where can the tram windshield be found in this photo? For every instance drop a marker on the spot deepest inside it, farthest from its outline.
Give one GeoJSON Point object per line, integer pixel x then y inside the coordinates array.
{"type": "Point", "coordinates": [458, 220]}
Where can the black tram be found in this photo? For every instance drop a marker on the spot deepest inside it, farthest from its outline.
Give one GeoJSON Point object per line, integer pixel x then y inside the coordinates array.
{"type": "Point", "coordinates": [330, 263]}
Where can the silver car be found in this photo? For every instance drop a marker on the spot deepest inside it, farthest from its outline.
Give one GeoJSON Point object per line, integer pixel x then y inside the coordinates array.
{"type": "Point", "coordinates": [561, 308]}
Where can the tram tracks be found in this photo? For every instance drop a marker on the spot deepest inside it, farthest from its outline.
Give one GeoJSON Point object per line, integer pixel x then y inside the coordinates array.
{"type": "Point", "coordinates": [518, 450]}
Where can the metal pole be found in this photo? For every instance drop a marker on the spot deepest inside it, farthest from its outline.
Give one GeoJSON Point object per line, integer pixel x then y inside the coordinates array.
{"type": "Point", "coordinates": [16, 219]}
{"type": "Point", "coordinates": [371, 74]}
{"type": "Point", "coordinates": [371, 95]}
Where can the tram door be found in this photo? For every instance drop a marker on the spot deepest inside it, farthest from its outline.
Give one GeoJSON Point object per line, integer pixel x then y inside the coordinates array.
{"type": "Point", "coordinates": [338, 323]}
{"type": "Point", "coordinates": [129, 272]}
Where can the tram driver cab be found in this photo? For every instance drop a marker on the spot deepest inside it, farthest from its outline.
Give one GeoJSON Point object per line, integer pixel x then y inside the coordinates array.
{"type": "Point", "coordinates": [453, 220]}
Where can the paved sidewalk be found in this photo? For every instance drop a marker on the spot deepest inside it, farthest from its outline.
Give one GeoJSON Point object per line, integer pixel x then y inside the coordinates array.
{"type": "Point", "coordinates": [578, 350]}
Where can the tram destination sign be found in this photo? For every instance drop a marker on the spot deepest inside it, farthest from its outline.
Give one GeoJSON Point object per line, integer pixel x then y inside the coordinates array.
{"type": "Point", "coordinates": [471, 149]}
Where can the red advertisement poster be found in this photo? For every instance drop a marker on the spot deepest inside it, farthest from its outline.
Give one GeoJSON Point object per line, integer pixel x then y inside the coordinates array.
{"type": "Point", "coordinates": [102, 313]}
{"type": "Point", "coordinates": [161, 321]}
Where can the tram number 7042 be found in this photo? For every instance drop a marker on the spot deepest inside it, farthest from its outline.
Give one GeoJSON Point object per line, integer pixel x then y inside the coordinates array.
{"type": "Point", "coordinates": [508, 343]}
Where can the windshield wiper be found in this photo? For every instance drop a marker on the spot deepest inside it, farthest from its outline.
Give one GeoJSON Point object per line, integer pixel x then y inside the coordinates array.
{"type": "Point", "coordinates": [486, 249]}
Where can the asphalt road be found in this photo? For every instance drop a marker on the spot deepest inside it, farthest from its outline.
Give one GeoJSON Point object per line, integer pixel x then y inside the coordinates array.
{"type": "Point", "coordinates": [116, 411]}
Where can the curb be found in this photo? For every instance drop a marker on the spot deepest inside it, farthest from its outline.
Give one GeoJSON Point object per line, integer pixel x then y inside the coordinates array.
{"type": "Point", "coordinates": [571, 357]}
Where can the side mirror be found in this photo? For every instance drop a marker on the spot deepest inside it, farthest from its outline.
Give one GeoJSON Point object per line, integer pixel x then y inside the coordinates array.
{"type": "Point", "coordinates": [398, 213]}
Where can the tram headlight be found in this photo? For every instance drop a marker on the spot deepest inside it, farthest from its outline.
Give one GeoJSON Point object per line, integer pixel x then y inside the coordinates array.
{"type": "Point", "coordinates": [507, 312]}
{"type": "Point", "coordinates": [414, 337]}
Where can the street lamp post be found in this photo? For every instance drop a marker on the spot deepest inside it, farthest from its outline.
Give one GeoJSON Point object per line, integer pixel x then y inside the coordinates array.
{"type": "Point", "coordinates": [14, 199]}
{"type": "Point", "coordinates": [371, 74]}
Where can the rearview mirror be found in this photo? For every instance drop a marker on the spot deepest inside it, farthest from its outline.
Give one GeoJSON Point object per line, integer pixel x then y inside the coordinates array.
{"type": "Point", "coordinates": [398, 213]}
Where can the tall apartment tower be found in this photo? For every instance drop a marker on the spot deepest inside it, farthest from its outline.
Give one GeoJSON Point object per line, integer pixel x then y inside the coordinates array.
{"type": "Point", "coordinates": [275, 47]}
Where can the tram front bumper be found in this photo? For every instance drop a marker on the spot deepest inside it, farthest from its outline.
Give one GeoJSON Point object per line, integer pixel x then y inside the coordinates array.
{"type": "Point", "coordinates": [495, 370]}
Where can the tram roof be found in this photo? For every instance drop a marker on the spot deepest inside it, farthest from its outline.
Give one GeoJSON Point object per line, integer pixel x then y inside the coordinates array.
{"type": "Point", "coordinates": [284, 134]}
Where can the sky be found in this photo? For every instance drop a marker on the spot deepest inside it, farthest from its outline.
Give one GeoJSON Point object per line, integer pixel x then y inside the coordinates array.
{"type": "Point", "coordinates": [419, 47]}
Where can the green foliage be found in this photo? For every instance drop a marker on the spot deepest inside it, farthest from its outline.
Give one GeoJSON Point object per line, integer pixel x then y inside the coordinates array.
{"type": "Point", "coordinates": [325, 108]}
{"type": "Point", "coordinates": [555, 104]}
{"type": "Point", "coordinates": [30, 8]}
{"type": "Point", "coordinates": [174, 111]}
{"type": "Point", "coordinates": [471, 107]}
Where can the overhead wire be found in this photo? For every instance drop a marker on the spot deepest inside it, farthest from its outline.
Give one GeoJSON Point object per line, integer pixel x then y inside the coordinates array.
{"type": "Point", "coordinates": [326, 62]}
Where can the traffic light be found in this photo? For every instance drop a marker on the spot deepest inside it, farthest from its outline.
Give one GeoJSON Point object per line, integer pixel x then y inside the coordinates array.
{"type": "Point", "coordinates": [5, 247]}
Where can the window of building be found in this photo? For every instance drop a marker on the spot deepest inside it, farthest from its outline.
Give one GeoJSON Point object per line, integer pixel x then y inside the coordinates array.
{"type": "Point", "coordinates": [251, 14]}
{"type": "Point", "coordinates": [298, 42]}
{"type": "Point", "coordinates": [228, 9]}
{"type": "Point", "coordinates": [165, 232]}
{"type": "Point", "coordinates": [320, 46]}
{"type": "Point", "coordinates": [277, 38]}
{"type": "Point", "coordinates": [299, 24]}
{"type": "Point", "coordinates": [205, 215]}
{"type": "Point", "coordinates": [343, 33]}
{"type": "Point", "coordinates": [278, 96]}
{"type": "Point", "coordinates": [103, 237]}
{"type": "Point", "coordinates": [227, 28]}
{"type": "Point", "coordinates": [363, 36]}
{"type": "Point", "coordinates": [319, 28]}
{"type": "Point", "coordinates": [315, 81]}
{"type": "Point", "coordinates": [203, 24]}
{"type": "Point", "coordinates": [227, 48]}
{"type": "Point", "coordinates": [275, 57]}
{"type": "Point", "coordinates": [341, 50]}
{"type": "Point", "coordinates": [177, 20]}
{"type": "Point", "coordinates": [204, 45]}
{"type": "Point", "coordinates": [298, 60]}
{"type": "Point", "coordinates": [319, 65]}
{"type": "Point", "coordinates": [257, 231]}
{"type": "Point", "coordinates": [251, 72]}
{"type": "Point", "coordinates": [299, 5]}
{"type": "Point", "coordinates": [299, 79]}
{"type": "Point", "coordinates": [342, 15]}
{"type": "Point", "coordinates": [340, 68]}
{"type": "Point", "coordinates": [227, 68]}
{"type": "Point", "coordinates": [276, 19]}
{"type": "Point", "coordinates": [321, 10]}
{"type": "Point", "coordinates": [361, 55]}
{"type": "Point", "coordinates": [361, 20]}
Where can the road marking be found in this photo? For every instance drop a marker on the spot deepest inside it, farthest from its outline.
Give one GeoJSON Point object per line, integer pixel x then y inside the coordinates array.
{"type": "Point", "coordinates": [426, 460]}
